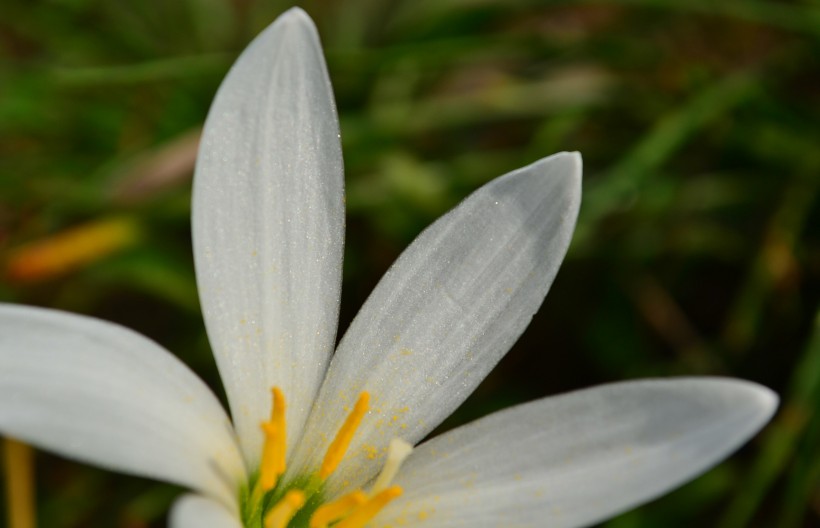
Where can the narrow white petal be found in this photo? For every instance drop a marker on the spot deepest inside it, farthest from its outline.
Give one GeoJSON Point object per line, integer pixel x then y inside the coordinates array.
{"type": "Point", "coordinates": [194, 511]}
{"type": "Point", "coordinates": [268, 225]}
{"type": "Point", "coordinates": [577, 459]}
{"type": "Point", "coordinates": [446, 312]}
{"type": "Point", "coordinates": [102, 394]}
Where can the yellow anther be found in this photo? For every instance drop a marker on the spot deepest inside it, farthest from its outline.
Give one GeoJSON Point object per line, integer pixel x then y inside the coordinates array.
{"type": "Point", "coordinates": [275, 448]}
{"type": "Point", "coordinates": [333, 511]}
{"type": "Point", "coordinates": [368, 510]}
{"type": "Point", "coordinates": [397, 452]}
{"type": "Point", "coordinates": [281, 514]}
{"type": "Point", "coordinates": [268, 473]}
{"type": "Point", "coordinates": [339, 446]}
{"type": "Point", "coordinates": [278, 420]}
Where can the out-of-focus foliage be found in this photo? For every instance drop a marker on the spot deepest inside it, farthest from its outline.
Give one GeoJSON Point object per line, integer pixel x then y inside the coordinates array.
{"type": "Point", "coordinates": [696, 251]}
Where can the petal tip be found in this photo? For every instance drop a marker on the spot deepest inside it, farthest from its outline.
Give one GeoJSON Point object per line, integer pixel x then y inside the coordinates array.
{"type": "Point", "coordinates": [295, 32]}
{"type": "Point", "coordinates": [296, 16]}
{"type": "Point", "coordinates": [576, 168]}
{"type": "Point", "coordinates": [577, 160]}
{"type": "Point", "coordinates": [567, 165]}
{"type": "Point", "coordinates": [766, 399]}
{"type": "Point", "coordinates": [761, 402]}
{"type": "Point", "coordinates": [574, 163]}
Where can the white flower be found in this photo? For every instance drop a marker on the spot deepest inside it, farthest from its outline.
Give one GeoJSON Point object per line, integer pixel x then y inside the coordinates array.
{"type": "Point", "coordinates": [268, 228]}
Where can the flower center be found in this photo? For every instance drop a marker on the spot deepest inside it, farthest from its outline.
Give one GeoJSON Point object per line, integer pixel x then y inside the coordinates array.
{"type": "Point", "coordinates": [301, 502]}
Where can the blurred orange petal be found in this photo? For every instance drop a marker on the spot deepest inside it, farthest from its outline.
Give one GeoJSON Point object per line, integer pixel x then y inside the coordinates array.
{"type": "Point", "coordinates": [71, 249]}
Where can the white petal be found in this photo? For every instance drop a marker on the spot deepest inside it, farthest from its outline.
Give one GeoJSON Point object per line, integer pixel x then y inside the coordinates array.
{"type": "Point", "coordinates": [268, 223]}
{"type": "Point", "coordinates": [577, 459]}
{"type": "Point", "coordinates": [446, 312]}
{"type": "Point", "coordinates": [193, 511]}
{"type": "Point", "coordinates": [102, 394]}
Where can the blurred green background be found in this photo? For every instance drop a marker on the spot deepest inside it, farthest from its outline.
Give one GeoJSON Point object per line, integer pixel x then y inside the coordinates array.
{"type": "Point", "coordinates": [696, 250]}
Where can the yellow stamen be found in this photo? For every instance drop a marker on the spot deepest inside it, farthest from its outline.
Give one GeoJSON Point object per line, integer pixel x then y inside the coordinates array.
{"type": "Point", "coordinates": [368, 510]}
{"type": "Point", "coordinates": [397, 451]}
{"type": "Point", "coordinates": [339, 446]}
{"type": "Point", "coordinates": [19, 484]}
{"type": "Point", "coordinates": [268, 473]}
{"type": "Point", "coordinates": [285, 509]}
{"type": "Point", "coordinates": [275, 448]}
{"type": "Point", "coordinates": [278, 421]}
{"type": "Point", "coordinates": [333, 511]}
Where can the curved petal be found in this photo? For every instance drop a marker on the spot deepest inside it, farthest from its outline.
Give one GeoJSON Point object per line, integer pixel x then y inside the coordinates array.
{"type": "Point", "coordinates": [102, 394]}
{"type": "Point", "coordinates": [194, 511]}
{"type": "Point", "coordinates": [268, 226]}
{"type": "Point", "coordinates": [577, 459]}
{"type": "Point", "coordinates": [446, 312]}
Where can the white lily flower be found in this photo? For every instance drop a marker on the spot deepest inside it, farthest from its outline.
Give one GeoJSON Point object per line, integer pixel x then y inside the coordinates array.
{"type": "Point", "coordinates": [334, 448]}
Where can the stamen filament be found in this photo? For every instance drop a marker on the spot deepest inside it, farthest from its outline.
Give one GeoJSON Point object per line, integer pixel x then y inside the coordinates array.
{"type": "Point", "coordinates": [275, 448]}
{"type": "Point", "coordinates": [397, 452]}
{"type": "Point", "coordinates": [333, 511]}
{"type": "Point", "coordinates": [368, 510]}
{"type": "Point", "coordinates": [285, 509]}
{"type": "Point", "coordinates": [19, 462]}
{"type": "Point", "coordinates": [339, 446]}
